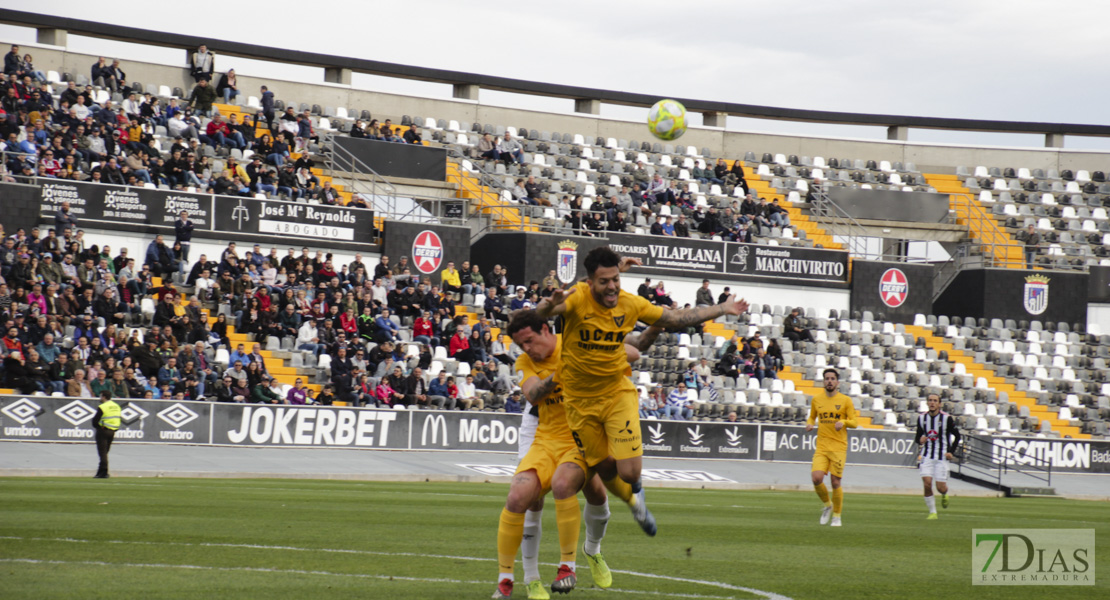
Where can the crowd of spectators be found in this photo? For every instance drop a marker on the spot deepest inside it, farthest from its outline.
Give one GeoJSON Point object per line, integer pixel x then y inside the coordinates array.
{"type": "Point", "coordinates": [666, 208]}
{"type": "Point", "coordinates": [67, 134]}
{"type": "Point", "coordinates": [74, 321]}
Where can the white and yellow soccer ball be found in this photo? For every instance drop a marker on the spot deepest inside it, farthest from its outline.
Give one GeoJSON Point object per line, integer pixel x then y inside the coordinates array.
{"type": "Point", "coordinates": [667, 119]}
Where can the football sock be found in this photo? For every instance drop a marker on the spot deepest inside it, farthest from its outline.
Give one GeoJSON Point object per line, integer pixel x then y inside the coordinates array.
{"type": "Point", "coordinates": [568, 519]}
{"type": "Point", "coordinates": [530, 545]}
{"type": "Point", "coordinates": [597, 519]}
{"type": "Point", "coordinates": [822, 493]}
{"type": "Point", "coordinates": [931, 502]}
{"type": "Point", "coordinates": [619, 488]}
{"type": "Point", "coordinates": [837, 500]}
{"type": "Point", "coordinates": [509, 532]}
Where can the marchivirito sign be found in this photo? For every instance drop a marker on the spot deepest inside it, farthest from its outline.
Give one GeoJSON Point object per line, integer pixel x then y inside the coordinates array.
{"type": "Point", "coordinates": [1033, 557]}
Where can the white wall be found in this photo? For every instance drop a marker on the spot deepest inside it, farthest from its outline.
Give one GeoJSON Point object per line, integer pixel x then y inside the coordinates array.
{"type": "Point", "coordinates": [1099, 314]}
{"type": "Point", "coordinates": [683, 291]}
{"type": "Point", "coordinates": [137, 243]}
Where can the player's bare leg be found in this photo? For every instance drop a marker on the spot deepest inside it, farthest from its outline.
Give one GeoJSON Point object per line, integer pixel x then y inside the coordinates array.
{"type": "Point", "coordinates": [818, 478]}
{"type": "Point", "coordinates": [596, 517]}
{"type": "Point", "coordinates": [610, 472]}
{"type": "Point", "coordinates": [568, 479]}
{"type": "Point", "coordinates": [837, 499]}
{"type": "Point", "coordinates": [523, 492]}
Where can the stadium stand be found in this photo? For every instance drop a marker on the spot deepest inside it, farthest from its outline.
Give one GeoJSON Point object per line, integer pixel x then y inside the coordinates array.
{"type": "Point", "coordinates": [1000, 377]}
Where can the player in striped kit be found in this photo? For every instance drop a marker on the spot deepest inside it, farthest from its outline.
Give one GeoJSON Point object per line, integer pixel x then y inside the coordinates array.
{"type": "Point", "coordinates": [938, 437]}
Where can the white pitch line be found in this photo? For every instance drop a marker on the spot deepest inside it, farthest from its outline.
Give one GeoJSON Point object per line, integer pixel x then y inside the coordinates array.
{"type": "Point", "coordinates": [717, 584]}
{"type": "Point", "coordinates": [97, 563]}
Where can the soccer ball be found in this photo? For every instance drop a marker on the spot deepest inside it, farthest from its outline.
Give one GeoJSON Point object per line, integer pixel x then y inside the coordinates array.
{"type": "Point", "coordinates": [667, 119]}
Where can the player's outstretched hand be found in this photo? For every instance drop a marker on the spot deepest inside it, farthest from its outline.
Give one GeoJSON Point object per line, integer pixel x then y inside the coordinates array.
{"type": "Point", "coordinates": [735, 307]}
{"type": "Point", "coordinates": [627, 262]}
{"type": "Point", "coordinates": [550, 305]}
{"type": "Point", "coordinates": [559, 296]}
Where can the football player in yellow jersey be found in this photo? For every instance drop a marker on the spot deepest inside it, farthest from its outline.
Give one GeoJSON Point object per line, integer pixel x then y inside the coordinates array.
{"type": "Point", "coordinates": [601, 403]}
{"type": "Point", "coordinates": [554, 463]}
{"type": "Point", "coordinates": [832, 413]}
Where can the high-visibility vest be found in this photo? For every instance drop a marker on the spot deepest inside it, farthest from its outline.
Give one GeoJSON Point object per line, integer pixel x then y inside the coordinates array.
{"type": "Point", "coordinates": [111, 415]}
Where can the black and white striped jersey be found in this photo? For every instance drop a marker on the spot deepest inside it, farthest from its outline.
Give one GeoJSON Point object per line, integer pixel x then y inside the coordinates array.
{"type": "Point", "coordinates": [941, 434]}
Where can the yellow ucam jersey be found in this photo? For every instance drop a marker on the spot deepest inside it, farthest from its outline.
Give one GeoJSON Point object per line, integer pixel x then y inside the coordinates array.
{"type": "Point", "coordinates": [594, 364]}
{"type": "Point", "coordinates": [553, 419]}
{"type": "Point", "coordinates": [826, 411]}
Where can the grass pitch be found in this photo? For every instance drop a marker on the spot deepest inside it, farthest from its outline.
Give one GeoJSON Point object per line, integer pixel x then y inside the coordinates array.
{"type": "Point", "coordinates": [275, 539]}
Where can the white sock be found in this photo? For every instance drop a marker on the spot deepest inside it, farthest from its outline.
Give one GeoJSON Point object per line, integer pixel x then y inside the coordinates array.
{"type": "Point", "coordinates": [504, 576]}
{"type": "Point", "coordinates": [530, 545]}
{"type": "Point", "coordinates": [569, 564]}
{"type": "Point", "coordinates": [931, 502]}
{"type": "Point", "coordinates": [597, 519]}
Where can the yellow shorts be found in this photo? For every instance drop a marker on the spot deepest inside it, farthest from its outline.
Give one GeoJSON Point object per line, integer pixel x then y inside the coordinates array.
{"type": "Point", "coordinates": [830, 462]}
{"type": "Point", "coordinates": [545, 456]}
{"type": "Point", "coordinates": [605, 427]}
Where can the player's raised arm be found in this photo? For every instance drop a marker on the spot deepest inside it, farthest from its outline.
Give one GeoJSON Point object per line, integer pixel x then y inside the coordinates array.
{"type": "Point", "coordinates": [677, 318]}
{"type": "Point", "coordinates": [536, 389]}
{"type": "Point", "coordinates": [643, 340]}
{"type": "Point", "coordinates": [555, 304]}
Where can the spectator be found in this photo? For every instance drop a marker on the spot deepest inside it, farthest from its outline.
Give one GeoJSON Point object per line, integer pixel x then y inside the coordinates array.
{"type": "Point", "coordinates": [487, 148]}
{"type": "Point", "coordinates": [202, 97]}
{"type": "Point", "coordinates": [495, 306]}
{"type": "Point", "coordinates": [412, 136]}
{"type": "Point", "coordinates": [704, 297]}
{"type": "Point", "coordinates": [513, 403]}
{"type": "Point", "coordinates": [681, 227]}
{"type": "Point", "coordinates": [1032, 241]}
{"type": "Point", "coordinates": [778, 216]}
{"type": "Point", "coordinates": [228, 87]}
{"type": "Point", "coordinates": [202, 64]}
{"type": "Point", "coordinates": [101, 75]}
{"type": "Point", "coordinates": [511, 150]}
{"type": "Point", "coordinates": [679, 406]}
{"type": "Point", "coordinates": [764, 366]}
{"type": "Point", "coordinates": [792, 327]}
{"type": "Point", "coordinates": [650, 403]}
{"type": "Point", "coordinates": [12, 63]}
{"type": "Point", "coordinates": [439, 394]}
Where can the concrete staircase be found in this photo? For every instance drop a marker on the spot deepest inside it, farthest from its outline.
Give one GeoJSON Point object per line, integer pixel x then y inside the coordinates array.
{"type": "Point", "coordinates": [999, 385]}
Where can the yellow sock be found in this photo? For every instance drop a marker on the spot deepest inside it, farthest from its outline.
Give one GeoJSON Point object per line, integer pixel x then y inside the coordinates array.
{"type": "Point", "coordinates": [619, 488]}
{"type": "Point", "coordinates": [822, 493]}
{"type": "Point", "coordinates": [509, 533]}
{"type": "Point", "coordinates": [568, 517]}
{"type": "Point", "coordinates": [838, 500]}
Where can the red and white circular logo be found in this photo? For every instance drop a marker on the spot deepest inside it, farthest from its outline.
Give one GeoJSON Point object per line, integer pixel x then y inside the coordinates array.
{"type": "Point", "coordinates": [894, 288]}
{"type": "Point", "coordinates": [427, 251]}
